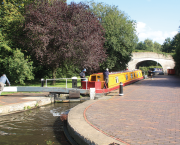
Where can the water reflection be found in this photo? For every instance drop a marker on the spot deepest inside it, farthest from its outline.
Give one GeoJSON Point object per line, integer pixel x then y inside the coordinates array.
{"type": "Point", "coordinates": [40, 126]}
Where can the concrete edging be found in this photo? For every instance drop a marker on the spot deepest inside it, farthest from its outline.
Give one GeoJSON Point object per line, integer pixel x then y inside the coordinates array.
{"type": "Point", "coordinates": [14, 108]}
{"type": "Point", "coordinates": [82, 132]}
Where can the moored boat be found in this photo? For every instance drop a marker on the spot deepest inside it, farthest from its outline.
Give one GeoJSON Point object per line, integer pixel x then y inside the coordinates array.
{"type": "Point", "coordinates": [96, 80]}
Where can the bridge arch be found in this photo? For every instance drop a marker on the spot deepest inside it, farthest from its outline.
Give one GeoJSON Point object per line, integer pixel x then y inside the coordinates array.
{"type": "Point", "coordinates": [167, 62]}
{"type": "Point", "coordinates": [141, 62]}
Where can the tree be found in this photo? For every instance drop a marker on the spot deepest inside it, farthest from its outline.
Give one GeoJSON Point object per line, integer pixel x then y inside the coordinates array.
{"type": "Point", "coordinates": [157, 47]}
{"type": "Point", "coordinates": [120, 35]}
{"type": "Point", "coordinates": [176, 45]}
{"type": "Point", "coordinates": [12, 60]}
{"type": "Point", "coordinates": [60, 34]}
{"type": "Point", "coordinates": [18, 69]}
{"type": "Point", "coordinates": [11, 21]}
{"type": "Point", "coordinates": [148, 44]}
{"type": "Point", "coordinates": [167, 46]}
{"type": "Point", "coordinates": [140, 46]}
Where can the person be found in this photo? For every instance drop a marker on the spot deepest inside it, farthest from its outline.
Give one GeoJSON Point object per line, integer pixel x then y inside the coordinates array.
{"type": "Point", "coordinates": [3, 80]}
{"type": "Point", "coordinates": [106, 77]}
{"type": "Point", "coordinates": [82, 75]}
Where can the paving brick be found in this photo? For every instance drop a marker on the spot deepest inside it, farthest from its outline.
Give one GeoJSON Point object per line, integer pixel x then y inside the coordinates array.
{"type": "Point", "coordinates": [148, 113]}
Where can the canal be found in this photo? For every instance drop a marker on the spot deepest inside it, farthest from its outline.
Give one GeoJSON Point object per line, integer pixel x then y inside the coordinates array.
{"type": "Point", "coordinates": [40, 126]}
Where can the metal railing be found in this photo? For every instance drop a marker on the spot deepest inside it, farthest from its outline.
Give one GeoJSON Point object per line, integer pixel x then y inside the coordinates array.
{"type": "Point", "coordinates": [66, 80]}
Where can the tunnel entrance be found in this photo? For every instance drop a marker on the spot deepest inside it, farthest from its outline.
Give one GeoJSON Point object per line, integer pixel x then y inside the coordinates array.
{"type": "Point", "coordinates": [148, 63]}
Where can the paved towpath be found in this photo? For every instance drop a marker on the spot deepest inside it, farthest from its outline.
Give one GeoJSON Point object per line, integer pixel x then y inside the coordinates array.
{"type": "Point", "coordinates": [147, 114]}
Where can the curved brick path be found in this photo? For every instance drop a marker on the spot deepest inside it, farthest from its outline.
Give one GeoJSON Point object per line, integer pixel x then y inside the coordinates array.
{"type": "Point", "coordinates": [148, 113]}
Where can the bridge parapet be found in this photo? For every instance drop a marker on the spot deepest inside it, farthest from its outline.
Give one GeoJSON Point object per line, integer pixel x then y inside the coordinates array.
{"type": "Point", "coordinates": [150, 55]}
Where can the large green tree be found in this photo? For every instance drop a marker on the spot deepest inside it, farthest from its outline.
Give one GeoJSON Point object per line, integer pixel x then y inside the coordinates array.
{"type": "Point", "coordinates": [157, 47]}
{"type": "Point", "coordinates": [12, 60]}
{"type": "Point", "coordinates": [167, 45]}
{"type": "Point", "coordinates": [11, 21]}
{"type": "Point", "coordinates": [120, 35]}
{"type": "Point", "coordinates": [140, 46]}
{"type": "Point", "coordinates": [17, 67]}
{"type": "Point", "coordinates": [148, 44]}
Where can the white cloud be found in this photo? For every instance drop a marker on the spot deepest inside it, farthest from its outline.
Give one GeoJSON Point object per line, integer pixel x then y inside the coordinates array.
{"type": "Point", "coordinates": [144, 32]}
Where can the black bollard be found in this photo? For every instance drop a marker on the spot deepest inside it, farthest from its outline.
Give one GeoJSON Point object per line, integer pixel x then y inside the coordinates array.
{"type": "Point", "coordinates": [42, 82]}
{"type": "Point", "coordinates": [121, 89]}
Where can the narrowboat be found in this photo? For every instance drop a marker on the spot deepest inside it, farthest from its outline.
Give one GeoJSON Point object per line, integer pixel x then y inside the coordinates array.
{"type": "Point", "coordinates": [96, 80]}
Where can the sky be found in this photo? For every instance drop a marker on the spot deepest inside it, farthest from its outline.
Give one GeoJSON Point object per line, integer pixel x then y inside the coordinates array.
{"type": "Point", "coordinates": [155, 19]}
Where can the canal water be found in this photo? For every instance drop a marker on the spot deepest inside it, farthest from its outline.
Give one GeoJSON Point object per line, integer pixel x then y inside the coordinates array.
{"type": "Point", "coordinates": [41, 126]}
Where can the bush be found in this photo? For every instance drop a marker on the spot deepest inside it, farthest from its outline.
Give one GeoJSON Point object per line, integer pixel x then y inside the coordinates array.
{"type": "Point", "coordinates": [18, 68]}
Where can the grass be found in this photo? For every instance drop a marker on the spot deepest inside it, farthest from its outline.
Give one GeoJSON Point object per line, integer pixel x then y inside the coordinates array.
{"type": "Point", "coordinates": [36, 105]}
{"type": "Point", "coordinates": [37, 83]}
{"type": "Point", "coordinates": [6, 93]}
{"type": "Point", "coordinates": [59, 83]}
{"type": "Point", "coordinates": [62, 83]}
{"type": "Point", "coordinates": [28, 107]}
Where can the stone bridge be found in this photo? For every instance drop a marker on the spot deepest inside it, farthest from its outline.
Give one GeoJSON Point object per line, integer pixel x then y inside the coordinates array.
{"type": "Point", "coordinates": [167, 62]}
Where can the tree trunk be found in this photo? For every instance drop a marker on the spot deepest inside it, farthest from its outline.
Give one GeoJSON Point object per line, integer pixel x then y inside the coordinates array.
{"type": "Point", "coordinates": [54, 75]}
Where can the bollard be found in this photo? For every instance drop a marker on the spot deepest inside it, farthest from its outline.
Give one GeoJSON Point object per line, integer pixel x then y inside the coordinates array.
{"type": "Point", "coordinates": [42, 82]}
{"type": "Point", "coordinates": [92, 93]}
{"type": "Point", "coordinates": [151, 76]}
{"type": "Point", "coordinates": [121, 89]}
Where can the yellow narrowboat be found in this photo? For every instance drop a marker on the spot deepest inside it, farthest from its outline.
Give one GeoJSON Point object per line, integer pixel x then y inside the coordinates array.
{"type": "Point", "coordinates": [96, 80]}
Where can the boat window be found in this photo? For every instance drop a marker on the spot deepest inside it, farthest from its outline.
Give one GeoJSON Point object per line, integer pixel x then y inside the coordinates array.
{"type": "Point", "coordinates": [126, 77]}
{"type": "Point", "coordinates": [117, 79]}
{"type": "Point", "coordinates": [93, 78]}
{"type": "Point", "coordinates": [137, 74]}
{"type": "Point", "coordinates": [134, 75]}
{"type": "Point", "coordinates": [131, 76]}
{"type": "Point", "coordinates": [98, 76]}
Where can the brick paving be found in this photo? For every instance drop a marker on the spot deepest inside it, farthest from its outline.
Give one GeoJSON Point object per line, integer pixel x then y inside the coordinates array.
{"type": "Point", "coordinates": [147, 114]}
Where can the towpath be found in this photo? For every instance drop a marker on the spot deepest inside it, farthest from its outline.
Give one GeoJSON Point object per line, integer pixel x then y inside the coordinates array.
{"type": "Point", "coordinates": [16, 102]}
{"type": "Point", "coordinates": [147, 114]}
{"type": "Point", "coordinates": [16, 98]}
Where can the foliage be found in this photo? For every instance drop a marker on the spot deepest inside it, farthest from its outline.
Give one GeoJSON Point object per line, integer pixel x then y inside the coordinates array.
{"type": "Point", "coordinates": [68, 71]}
{"type": "Point", "coordinates": [62, 35]}
{"type": "Point", "coordinates": [28, 107]}
{"type": "Point", "coordinates": [12, 60]}
{"type": "Point", "coordinates": [148, 46]}
{"type": "Point", "coordinates": [168, 45]}
{"type": "Point", "coordinates": [157, 47]}
{"type": "Point", "coordinates": [18, 69]}
{"type": "Point", "coordinates": [36, 105]}
{"type": "Point", "coordinates": [49, 142]}
{"type": "Point", "coordinates": [176, 45]}
{"type": "Point", "coordinates": [120, 35]}
{"type": "Point", "coordinates": [3, 45]}
{"type": "Point", "coordinates": [4, 50]}
{"type": "Point", "coordinates": [25, 107]}
{"type": "Point", "coordinates": [11, 21]}
{"type": "Point", "coordinates": [172, 47]}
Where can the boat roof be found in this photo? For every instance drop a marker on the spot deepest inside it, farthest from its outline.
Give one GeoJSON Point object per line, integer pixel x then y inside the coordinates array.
{"type": "Point", "coordinates": [115, 72]}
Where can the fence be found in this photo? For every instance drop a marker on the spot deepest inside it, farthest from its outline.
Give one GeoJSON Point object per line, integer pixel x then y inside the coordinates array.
{"type": "Point", "coordinates": [65, 79]}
